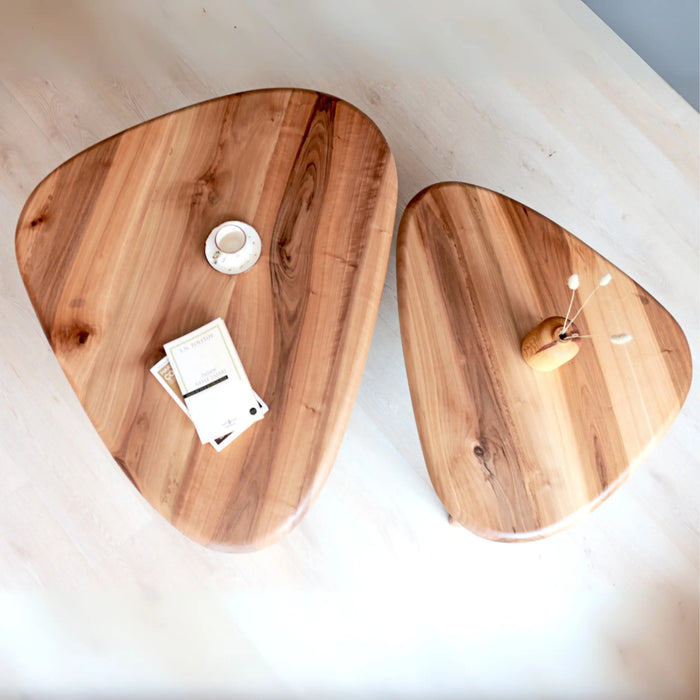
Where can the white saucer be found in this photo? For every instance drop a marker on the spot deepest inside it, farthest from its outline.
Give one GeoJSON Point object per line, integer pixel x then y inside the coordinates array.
{"type": "Point", "coordinates": [239, 261]}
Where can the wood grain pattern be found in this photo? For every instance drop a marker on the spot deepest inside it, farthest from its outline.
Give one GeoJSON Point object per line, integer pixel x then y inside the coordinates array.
{"type": "Point", "coordinates": [111, 249]}
{"type": "Point", "coordinates": [514, 453]}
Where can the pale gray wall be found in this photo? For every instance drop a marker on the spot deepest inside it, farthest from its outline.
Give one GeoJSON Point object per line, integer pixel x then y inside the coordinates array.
{"type": "Point", "coordinates": [665, 33]}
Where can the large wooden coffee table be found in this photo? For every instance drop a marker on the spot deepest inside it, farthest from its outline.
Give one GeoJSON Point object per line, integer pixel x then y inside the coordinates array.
{"type": "Point", "coordinates": [111, 249]}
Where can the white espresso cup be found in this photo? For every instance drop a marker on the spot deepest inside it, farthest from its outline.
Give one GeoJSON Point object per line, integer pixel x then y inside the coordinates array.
{"type": "Point", "coordinates": [229, 238]}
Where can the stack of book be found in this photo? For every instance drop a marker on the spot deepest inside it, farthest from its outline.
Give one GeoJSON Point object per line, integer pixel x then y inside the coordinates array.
{"type": "Point", "coordinates": [203, 374]}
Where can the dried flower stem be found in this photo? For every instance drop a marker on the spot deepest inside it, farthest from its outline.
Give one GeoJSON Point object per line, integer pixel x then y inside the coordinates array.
{"type": "Point", "coordinates": [604, 281]}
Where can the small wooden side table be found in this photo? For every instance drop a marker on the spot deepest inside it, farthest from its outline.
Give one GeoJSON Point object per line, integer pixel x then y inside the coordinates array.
{"type": "Point", "coordinates": [513, 453]}
{"type": "Point", "coordinates": [111, 249]}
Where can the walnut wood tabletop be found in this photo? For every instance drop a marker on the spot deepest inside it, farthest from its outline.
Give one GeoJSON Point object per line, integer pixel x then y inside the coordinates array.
{"type": "Point", "coordinates": [515, 453]}
{"type": "Point", "coordinates": [111, 249]}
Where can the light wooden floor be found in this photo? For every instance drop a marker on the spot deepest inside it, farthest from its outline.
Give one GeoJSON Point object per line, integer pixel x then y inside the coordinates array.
{"type": "Point", "coordinates": [373, 595]}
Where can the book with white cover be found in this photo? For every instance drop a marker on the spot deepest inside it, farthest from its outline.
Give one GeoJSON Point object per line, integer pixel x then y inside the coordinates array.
{"type": "Point", "coordinates": [212, 380]}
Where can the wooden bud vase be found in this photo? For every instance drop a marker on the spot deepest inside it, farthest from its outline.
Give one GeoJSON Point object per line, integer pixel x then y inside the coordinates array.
{"type": "Point", "coordinates": [544, 350]}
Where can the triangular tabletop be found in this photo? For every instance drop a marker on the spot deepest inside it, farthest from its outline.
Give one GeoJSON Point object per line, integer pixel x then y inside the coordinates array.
{"type": "Point", "coordinates": [512, 452]}
{"type": "Point", "coordinates": [111, 249]}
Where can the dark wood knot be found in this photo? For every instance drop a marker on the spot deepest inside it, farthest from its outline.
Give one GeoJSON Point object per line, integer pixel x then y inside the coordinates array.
{"type": "Point", "coordinates": [71, 337]}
